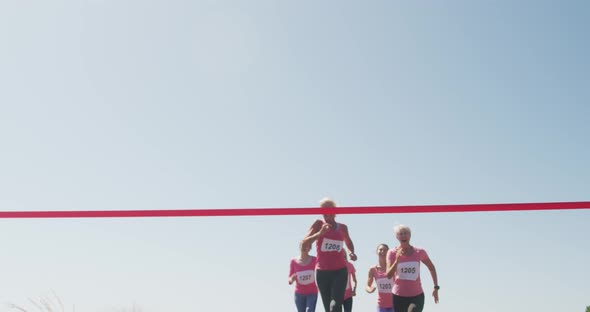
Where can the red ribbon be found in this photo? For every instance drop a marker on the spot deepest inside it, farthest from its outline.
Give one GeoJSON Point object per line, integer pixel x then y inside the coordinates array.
{"type": "Point", "coordinates": [293, 211]}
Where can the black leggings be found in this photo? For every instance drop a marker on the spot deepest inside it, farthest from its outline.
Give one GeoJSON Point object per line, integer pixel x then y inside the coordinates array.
{"type": "Point", "coordinates": [332, 284]}
{"type": "Point", "coordinates": [401, 304]}
{"type": "Point", "coordinates": [347, 305]}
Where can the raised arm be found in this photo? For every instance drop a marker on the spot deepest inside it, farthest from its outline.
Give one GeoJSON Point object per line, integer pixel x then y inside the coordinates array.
{"type": "Point", "coordinates": [317, 229]}
{"type": "Point", "coordinates": [392, 266]}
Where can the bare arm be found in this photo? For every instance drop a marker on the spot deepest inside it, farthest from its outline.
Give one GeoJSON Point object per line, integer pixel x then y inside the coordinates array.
{"type": "Point", "coordinates": [370, 288]}
{"type": "Point", "coordinates": [291, 273]}
{"type": "Point", "coordinates": [392, 267]}
{"type": "Point", "coordinates": [354, 283]}
{"type": "Point", "coordinates": [315, 231]}
{"type": "Point", "coordinates": [432, 270]}
{"type": "Point", "coordinates": [348, 242]}
{"type": "Point", "coordinates": [318, 228]}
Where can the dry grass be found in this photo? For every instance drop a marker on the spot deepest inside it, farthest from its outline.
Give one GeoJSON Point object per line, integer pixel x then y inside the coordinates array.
{"type": "Point", "coordinates": [53, 303]}
{"type": "Point", "coordinates": [45, 304]}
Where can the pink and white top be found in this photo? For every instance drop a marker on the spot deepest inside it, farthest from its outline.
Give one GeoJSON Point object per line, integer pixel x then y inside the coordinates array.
{"type": "Point", "coordinates": [305, 276]}
{"type": "Point", "coordinates": [406, 282]}
{"type": "Point", "coordinates": [348, 292]}
{"type": "Point", "coordinates": [384, 288]}
{"type": "Point", "coordinates": [330, 247]}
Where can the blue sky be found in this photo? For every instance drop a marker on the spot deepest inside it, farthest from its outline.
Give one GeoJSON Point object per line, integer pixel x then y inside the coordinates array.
{"type": "Point", "coordinates": [231, 104]}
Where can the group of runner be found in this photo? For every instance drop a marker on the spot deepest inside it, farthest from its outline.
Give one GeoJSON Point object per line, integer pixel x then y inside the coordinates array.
{"type": "Point", "coordinates": [396, 276]}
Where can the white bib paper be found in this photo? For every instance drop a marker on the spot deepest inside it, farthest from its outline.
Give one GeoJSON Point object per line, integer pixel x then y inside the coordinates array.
{"type": "Point", "coordinates": [384, 285]}
{"type": "Point", "coordinates": [305, 277]}
{"type": "Point", "coordinates": [408, 270]}
{"type": "Point", "coordinates": [330, 245]}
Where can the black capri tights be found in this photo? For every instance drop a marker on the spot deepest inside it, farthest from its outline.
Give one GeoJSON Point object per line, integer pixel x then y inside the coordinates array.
{"type": "Point", "coordinates": [402, 304]}
{"type": "Point", "coordinates": [332, 284]}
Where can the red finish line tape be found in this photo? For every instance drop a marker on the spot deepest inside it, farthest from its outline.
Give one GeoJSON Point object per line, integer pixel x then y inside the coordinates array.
{"type": "Point", "coordinates": [292, 211]}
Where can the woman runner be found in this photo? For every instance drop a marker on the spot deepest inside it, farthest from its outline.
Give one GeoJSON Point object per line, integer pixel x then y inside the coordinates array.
{"type": "Point", "coordinates": [350, 287]}
{"type": "Point", "coordinates": [378, 273]}
{"type": "Point", "coordinates": [331, 272]}
{"type": "Point", "coordinates": [302, 273]}
{"type": "Point", "coordinates": [404, 263]}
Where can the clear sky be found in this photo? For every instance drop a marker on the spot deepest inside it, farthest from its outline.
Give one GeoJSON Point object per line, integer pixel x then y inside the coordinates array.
{"type": "Point", "coordinates": [238, 104]}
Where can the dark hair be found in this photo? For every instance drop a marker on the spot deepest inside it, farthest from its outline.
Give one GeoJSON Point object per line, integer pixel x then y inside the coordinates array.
{"type": "Point", "coordinates": [382, 245]}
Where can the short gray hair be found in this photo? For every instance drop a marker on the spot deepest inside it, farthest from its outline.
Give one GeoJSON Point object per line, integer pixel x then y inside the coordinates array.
{"type": "Point", "coordinates": [401, 227]}
{"type": "Point", "coordinates": [327, 202]}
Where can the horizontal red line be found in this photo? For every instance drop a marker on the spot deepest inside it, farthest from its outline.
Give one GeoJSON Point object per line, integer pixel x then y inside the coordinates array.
{"type": "Point", "coordinates": [293, 211]}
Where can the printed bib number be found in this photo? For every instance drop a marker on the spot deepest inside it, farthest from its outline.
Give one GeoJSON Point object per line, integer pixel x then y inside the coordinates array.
{"type": "Point", "coordinates": [305, 277]}
{"type": "Point", "coordinates": [330, 245]}
{"type": "Point", "coordinates": [408, 270]}
{"type": "Point", "coordinates": [384, 285]}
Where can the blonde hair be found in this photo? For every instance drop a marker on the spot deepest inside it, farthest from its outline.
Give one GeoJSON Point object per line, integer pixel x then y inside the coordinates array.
{"type": "Point", "coordinates": [327, 203]}
{"type": "Point", "coordinates": [401, 227]}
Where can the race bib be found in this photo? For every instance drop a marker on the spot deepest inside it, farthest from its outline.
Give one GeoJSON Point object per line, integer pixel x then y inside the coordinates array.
{"type": "Point", "coordinates": [330, 245]}
{"type": "Point", "coordinates": [384, 285]}
{"type": "Point", "coordinates": [408, 270]}
{"type": "Point", "coordinates": [305, 277]}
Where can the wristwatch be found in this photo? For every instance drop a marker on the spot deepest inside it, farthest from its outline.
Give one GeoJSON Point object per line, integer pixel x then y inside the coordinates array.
{"type": "Point", "coordinates": [436, 287]}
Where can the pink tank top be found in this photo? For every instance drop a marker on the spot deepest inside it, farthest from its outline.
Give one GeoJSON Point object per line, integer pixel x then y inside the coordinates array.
{"type": "Point", "coordinates": [407, 277]}
{"type": "Point", "coordinates": [305, 276]}
{"type": "Point", "coordinates": [384, 288]}
{"type": "Point", "coordinates": [348, 292]}
{"type": "Point", "coordinates": [330, 247]}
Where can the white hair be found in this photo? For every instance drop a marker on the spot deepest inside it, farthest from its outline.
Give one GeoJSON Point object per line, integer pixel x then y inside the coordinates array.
{"type": "Point", "coordinates": [401, 227]}
{"type": "Point", "coordinates": [327, 202]}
